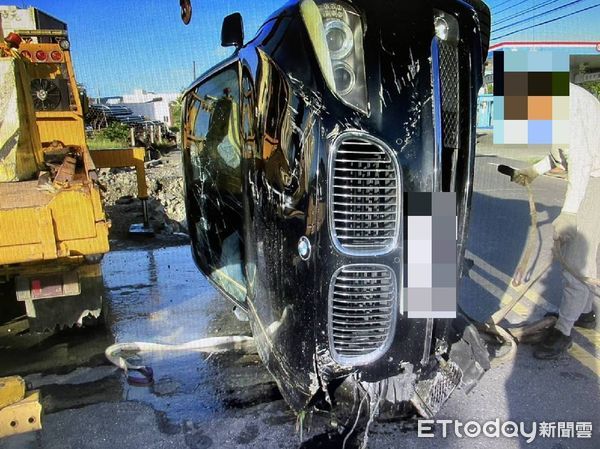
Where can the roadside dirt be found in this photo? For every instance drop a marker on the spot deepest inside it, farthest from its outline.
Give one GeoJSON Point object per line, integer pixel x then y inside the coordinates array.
{"type": "Point", "coordinates": [166, 207]}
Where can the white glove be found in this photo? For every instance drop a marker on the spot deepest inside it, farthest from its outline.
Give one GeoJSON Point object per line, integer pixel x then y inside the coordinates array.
{"type": "Point", "coordinates": [524, 176]}
{"type": "Point", "coordinates": [565, 226]}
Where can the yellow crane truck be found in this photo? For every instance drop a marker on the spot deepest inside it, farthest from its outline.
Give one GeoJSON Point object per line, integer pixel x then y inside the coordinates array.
{"type": "Point", "coordinates": [53, 229]}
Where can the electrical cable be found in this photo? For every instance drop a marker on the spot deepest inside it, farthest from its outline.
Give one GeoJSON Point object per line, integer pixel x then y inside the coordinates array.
{"type": "Point", "coordinates": [574, 2]}
{"type": "Point", "coordinates": [564, 16]}
{"type": "Point", "coordinates": [525, 11]}
{"type": "Point", "coordinates": [503, 3]}
{"type": "Point", "coordinates": [509, 7]}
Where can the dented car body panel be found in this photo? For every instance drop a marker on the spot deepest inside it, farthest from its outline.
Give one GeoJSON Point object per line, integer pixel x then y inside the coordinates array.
{"type": "Point", "coordinates": [268, 136]}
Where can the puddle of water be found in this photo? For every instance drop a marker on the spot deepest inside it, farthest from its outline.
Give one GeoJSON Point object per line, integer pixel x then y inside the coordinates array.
{"type": "Point", "coordinates": [160, 296]}
{"type": "Point", "coordinates": [183, 389]}
{"type": "Point", "coordinates": [152, 296]}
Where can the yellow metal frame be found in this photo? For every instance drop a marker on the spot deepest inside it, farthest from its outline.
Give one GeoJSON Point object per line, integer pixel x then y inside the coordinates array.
{"type": "Point", "coordinates": [128, 157]}
{"type": "Point", "coordinates": [65, 126]}
{"type": "Point", "coordinates": [19, 412]}
{"type": "Point", "coordinates": [63, 222]}
{"type": "Point", "coordinates": [12, 389]}
{"type": "Point", "coordinates": [69, 223]}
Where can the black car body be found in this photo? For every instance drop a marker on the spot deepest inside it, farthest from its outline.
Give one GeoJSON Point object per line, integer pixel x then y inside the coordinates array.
{"type": "Point", "coordinates": [376, 97]}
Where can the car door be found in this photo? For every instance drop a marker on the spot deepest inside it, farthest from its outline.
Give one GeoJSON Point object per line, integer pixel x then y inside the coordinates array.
{"type": "Point", "coordinates": [212, 156]}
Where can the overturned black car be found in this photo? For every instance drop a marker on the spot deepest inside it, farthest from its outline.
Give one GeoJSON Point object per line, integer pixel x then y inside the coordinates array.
{"type": "Point", "coordinates": [305, 154]}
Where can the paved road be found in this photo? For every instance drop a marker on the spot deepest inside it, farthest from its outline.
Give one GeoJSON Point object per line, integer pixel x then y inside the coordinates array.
{"type": "Point", "coordinates": [229, 401]}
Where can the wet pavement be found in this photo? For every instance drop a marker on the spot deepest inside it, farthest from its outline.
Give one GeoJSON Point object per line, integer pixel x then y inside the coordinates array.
{"type": "Point", "coordinates": [153, 295]}
{"type": "Point", "coordinates": [230, 401]}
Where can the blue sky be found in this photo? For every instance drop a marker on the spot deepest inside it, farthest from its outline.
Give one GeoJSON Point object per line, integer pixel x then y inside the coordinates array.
{"type": "Point", "coordinates": [120, 45]}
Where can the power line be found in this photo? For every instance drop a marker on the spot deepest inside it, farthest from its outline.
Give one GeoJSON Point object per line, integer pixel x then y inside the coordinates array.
{"type": "Point", "coordinates": [503, 3]}
{"type": "Point", "coordinates": [537, 15]}
{"type": "Point", "coordinates": [533, 8]}
{"type": "Point", "coordinates": [564, 16]}
{"type": "Point", "coordinates": [509, 7]}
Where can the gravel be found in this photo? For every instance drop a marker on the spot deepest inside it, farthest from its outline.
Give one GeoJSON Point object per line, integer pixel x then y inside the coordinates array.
{"type": "Point", "coordinates": [165, 189]}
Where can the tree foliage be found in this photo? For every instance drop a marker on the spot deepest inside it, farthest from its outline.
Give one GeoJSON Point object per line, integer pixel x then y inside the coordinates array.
{"type": "Point", "coordinates": [176, 107]}
{"type": "Point", "coordinates": [593, 87]}
{"type": "Point", "coordinates": [117, 132]}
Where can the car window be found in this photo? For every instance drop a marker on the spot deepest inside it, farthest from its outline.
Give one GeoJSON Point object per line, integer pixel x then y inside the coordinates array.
{"type": "Point", "coordinates": [212, 163]}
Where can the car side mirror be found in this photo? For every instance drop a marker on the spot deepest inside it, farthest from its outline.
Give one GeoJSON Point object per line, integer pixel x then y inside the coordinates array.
{"type": "Point", "coordinates": [232, 32]}
{"type": "Point", "coordinates": [186, 11]}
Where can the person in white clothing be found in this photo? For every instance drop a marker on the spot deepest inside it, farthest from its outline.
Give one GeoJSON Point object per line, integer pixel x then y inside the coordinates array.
{"type": "Point", "coordinates": [577, 228]}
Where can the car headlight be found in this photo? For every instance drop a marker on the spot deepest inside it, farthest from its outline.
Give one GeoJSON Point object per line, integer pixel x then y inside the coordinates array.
{"type": "Point", "coordinates": [445, 26]}
{"type": "Point", "coordinates": [336, 33]}
{"type": "Point", "coordinates": [340, 39]}
{"type": "Point", "coordinates": [344, 78]}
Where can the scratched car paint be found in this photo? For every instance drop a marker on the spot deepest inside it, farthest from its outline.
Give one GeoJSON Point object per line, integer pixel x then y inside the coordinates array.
{"type": "Point", "coordinates": [261, 134]}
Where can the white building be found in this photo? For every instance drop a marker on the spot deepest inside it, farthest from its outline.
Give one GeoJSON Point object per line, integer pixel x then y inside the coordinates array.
{"type": "Point", "coordinates": [152, 105]}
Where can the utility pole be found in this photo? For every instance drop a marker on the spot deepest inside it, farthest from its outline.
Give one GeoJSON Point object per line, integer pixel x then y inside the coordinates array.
{"type": "Point", "coordinates": [194, 68]}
